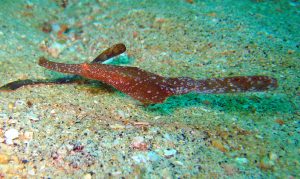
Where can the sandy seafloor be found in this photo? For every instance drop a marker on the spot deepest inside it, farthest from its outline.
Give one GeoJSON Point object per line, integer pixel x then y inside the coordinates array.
{"type": "Point", "coordinates": [94, 131]}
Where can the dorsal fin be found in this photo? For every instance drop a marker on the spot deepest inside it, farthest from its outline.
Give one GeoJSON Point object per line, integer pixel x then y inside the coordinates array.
{"type": "Point", "coordinates": [112, 51]}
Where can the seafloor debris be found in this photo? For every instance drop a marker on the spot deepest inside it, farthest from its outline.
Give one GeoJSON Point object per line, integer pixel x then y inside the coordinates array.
{"type": "Point", "coordinates": [148, 87]}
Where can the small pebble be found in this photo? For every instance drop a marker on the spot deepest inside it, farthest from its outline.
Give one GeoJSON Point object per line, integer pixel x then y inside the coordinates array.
{"type": "Point", "coordinates": [167, 137]}
{"type": "Point", "coordinates": [139, 143]}
{"type": "Point", "coordinates": [169, 152]}
{"type": "Point", "coordinates": [266, 163]}
{"type": "Point", "coordinates": [33, 116]}
{"type": "Point", "coordinates": [157, 117]}
{"type": "Point", "coordinates": [153, 156]}
{"type": "Point", "coordinates": [4, 159]}
{"type": "Point", "coordinates": [52, 111]}
{"type": "Point", "coordinates": [259, 136]}
{"type": "Point", "coordinates": [122, 114]}
{"type": "Point", "coordinates": [117, 127]}
{"type": "Point", "coordinates": [55, 27]}
{"type": "Point", "coordinates": [273, 156]}
{"type": "Point", "coordinates": [87, 176]}
{"type": "Point", "coordinates": [139, 158]}
{"type": "Point", "coordinates": [11, 106]}
{"type": "Point", "coordinates": [31, 172]}
{"type": "Point", "coordinates": [28, 135]}
{"type": "Point", "coordinates": [177, 162]}
{"type": "Point", "coordinates": [3, 116]}
{"type": "Point", "coordinates": [241, 160]}
{"type": "Point", "coordinates": [290, 51]}
{"type": "Point", "coordinates": [10, 135]}
{"type": "Point", "coordinates": [19, 103]}
{"type": "Point", "coordinates": [116, 173]}
{"type": "Point", "coordinates": [24, 161]}
{"type": "Point", "coordinates": [218, 144]}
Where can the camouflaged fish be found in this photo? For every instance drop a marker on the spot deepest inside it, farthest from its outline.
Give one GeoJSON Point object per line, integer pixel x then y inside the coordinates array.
{"type": "Point", "coordinates": [150, 88]}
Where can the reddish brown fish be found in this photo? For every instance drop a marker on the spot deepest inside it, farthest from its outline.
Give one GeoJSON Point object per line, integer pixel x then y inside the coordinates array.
{"type": "Point", "coordinates": [150, 88]}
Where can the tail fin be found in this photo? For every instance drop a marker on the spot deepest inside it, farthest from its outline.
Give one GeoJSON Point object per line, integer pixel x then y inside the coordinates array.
{"type": "Point", "coordinates": [238, 84]}
{"type": "Point", "coordinates": [185, 85]}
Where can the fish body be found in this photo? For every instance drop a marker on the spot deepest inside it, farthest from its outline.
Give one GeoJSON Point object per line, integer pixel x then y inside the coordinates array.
{"type": "Point", "coordinates": [151, 88]}
{"type": "Point", "coordinates": [142, 85]}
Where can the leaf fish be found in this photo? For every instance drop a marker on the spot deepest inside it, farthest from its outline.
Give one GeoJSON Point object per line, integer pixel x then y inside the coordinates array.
{"type": "Point", "coordinates": [150, 88]}
{"type": "Point", "coordinates": [144, 86]}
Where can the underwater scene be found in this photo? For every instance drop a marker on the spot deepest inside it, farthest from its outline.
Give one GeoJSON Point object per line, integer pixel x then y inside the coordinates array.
{"type": "Point", "coordinates": [150, 89]}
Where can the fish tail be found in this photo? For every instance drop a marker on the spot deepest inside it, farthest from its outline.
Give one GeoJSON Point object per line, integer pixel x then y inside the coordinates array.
{"type": "Point", "coordinates": [237, 84]}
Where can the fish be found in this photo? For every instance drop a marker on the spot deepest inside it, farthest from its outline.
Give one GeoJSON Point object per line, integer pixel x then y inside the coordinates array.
{"type": "Point", "coordinates": [150, 88]}
{"type": "Point", "coordinates": [144, 86]}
